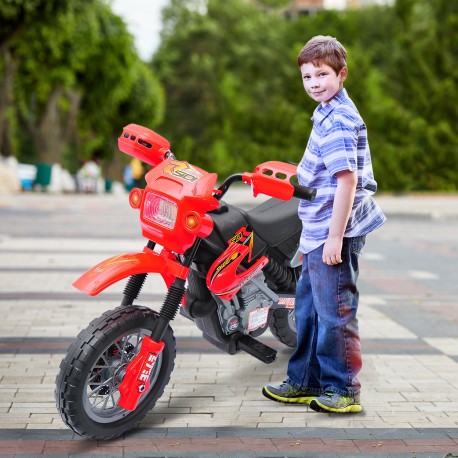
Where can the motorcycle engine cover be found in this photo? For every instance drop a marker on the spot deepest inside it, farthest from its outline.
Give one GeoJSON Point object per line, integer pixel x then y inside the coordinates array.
{"type": "Point", "coordinates": [248, 310]}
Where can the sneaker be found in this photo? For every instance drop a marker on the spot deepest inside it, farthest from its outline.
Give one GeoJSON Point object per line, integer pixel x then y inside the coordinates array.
{"type": "Point", "coordinates": [333, 402]}
{"type": "Point", "coordinates": [287, 393]}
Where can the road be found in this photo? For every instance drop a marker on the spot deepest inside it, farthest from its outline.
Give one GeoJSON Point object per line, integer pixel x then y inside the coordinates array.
{"type": "Point", "coordinates": [213, 406]}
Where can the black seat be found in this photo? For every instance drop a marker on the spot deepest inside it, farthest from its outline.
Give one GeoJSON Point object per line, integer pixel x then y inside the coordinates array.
{"type": "Point", "coordinates": [275, 220]}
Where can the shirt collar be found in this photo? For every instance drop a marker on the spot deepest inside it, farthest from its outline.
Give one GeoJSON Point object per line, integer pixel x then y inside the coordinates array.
{"type": "Point", "coordinates": [322, 111]}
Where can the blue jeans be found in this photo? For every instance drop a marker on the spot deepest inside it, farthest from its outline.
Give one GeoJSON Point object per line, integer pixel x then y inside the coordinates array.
{"type": "Point", "coordinates": [328, 353]}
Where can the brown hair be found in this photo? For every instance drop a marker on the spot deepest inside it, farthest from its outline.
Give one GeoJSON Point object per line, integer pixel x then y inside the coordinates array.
{"type": "Point", "coordinates": [323, 50]}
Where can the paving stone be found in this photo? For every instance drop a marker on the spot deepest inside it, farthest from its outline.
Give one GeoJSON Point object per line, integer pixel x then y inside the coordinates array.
{"type": "Point", "coordinates": [410, 372]}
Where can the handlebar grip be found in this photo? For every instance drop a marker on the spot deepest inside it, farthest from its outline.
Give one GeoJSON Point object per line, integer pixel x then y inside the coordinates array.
{"type": "Point", "coordinates": [304, 192]}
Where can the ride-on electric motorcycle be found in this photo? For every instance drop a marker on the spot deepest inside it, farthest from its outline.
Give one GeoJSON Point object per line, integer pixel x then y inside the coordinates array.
{"type": "Point", "coordinates": [232, 272]}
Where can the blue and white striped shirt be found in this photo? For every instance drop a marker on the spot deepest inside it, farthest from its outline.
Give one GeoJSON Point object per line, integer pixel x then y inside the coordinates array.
{"type": "Point", "coordinates": [338, 142]}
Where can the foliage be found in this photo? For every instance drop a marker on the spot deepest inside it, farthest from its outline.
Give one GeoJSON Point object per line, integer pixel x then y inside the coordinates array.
{"type": "Point", "coordinates": [224, 72]}
{"type": "Point", "coordinates": [224, 86]}
{"type": "Point", "coordinates": [423, 69]}
{"type": "Point", "coordinates": [77, 77]}
{"type": "Point", "coordinates": [234, 97]}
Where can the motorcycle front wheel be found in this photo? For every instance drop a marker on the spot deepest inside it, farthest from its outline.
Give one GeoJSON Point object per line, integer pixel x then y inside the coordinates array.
{"type": "Point", "coordinates": [87, 385]}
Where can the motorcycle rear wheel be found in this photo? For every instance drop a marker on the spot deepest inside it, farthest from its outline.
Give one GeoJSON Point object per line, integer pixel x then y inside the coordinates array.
{"type": "Point", "coordinates": [87, 384]}
{"type": "Point", "coordinates": [283, 326]}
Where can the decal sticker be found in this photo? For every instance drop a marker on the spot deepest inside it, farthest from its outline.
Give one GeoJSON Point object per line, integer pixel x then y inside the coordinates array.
{"type": "Point", "coordinates": [240, 236]}
{"type": "Point", "coordinates": [257, 318]}
{"type": "Point", "coordinates": [243, 281]}
{"type": "Point", "coordinates": [288, 302]}
{"type": "Point", "coordinates": [233, 324]}
{"type": "Point", "coordinates": [224, 264]}
{"type": "Point", "coordinates": [147, 368]}
{"type": "Point", "coordinates": [244, 236]}
{"type": "Point", "coordinates": [113, 261]}
{"type": "Point", "coordinates": [183, 170]}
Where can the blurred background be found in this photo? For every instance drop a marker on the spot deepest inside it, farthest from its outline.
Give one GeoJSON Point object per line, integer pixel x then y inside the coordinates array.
{"type": "Point", "coordinates": [219, 79]}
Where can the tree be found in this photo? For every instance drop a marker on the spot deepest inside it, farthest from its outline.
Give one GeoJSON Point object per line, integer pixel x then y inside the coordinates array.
{"type": "Point", "coordinates": [76, 79]}
{"type": "Point", "coordinates": [17, 17]}
{"type": "Point", "coordinates": [422, 76]}
{"type": "Point", "coordinates": [224, 68]}
{"type": "Point", "coordinates": [234, 96]}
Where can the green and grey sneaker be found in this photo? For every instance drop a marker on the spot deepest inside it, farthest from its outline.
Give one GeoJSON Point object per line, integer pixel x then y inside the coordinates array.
{"type": "Point", "coordinates": [333, 402]}
{"type": "Point", "coordinates": [284, 392]}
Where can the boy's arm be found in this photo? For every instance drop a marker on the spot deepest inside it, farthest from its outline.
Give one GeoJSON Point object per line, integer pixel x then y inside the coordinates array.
{"type": "Point", "coordinates": [343, 203]}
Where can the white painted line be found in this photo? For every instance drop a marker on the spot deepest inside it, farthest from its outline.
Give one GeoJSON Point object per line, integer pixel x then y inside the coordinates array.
{"type": "Point", "coordinates": [422, 275]}
{"type": "Point", "coordinates": [371, 256]}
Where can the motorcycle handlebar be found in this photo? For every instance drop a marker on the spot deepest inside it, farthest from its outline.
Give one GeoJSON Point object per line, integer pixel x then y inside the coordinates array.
{"type": "Point", "coordinates": [304, 192]}
{"type": "Point", "coordinates": [301, 192]}
{"type": "Point", "coordinates": [227, 183]}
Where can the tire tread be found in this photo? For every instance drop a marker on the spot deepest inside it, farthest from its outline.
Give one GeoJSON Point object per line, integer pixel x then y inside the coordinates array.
{"type": "Point", "coordinates": [78, 357]}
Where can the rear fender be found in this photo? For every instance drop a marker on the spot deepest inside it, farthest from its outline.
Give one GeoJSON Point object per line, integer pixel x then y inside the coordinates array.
{"type": "Point", "coordinates": [116, 268]}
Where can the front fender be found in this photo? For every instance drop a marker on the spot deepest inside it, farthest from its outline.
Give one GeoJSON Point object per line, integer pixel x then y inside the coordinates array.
{"type": "Point", "coordinates": [113, 269]}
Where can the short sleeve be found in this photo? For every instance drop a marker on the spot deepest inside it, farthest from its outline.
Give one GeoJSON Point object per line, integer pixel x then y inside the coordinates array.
{"type": "Point", "coordinates": [339, 147]}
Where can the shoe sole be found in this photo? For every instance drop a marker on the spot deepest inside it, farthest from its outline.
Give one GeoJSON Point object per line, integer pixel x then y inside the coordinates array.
{"type": "Point", "coordinates": [318, 407]}
{"type": "Point", "coordinates": [299, 400]}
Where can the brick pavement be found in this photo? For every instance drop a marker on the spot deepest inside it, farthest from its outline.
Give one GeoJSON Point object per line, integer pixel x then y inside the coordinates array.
{"type": "Point", "coordinates": [213, 405]}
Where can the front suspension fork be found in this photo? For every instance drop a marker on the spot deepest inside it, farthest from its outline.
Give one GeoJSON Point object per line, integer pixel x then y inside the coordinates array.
{"type": "Point", "coordinates": [172, 301]}
{"type": "Point", "coordinates": [138, 372]}
{"type": "Point", "coordinates": [135, 283]}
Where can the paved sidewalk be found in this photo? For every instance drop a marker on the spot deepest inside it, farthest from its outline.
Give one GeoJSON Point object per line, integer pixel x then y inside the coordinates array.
{"type": "Point", "coordinates": [428, 206]}
{"type": "Point", "coordinates": [213, 405]}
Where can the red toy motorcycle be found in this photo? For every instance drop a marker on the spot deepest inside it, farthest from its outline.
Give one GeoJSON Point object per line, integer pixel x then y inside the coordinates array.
{"type": "Point", "coordinates": [232, 272]}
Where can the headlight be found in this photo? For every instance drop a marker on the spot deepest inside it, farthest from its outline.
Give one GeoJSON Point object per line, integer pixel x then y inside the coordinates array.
{"type": "Point", "coordinates": [160, 210]}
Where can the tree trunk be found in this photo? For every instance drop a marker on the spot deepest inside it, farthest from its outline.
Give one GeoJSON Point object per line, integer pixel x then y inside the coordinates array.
{"type": "Point", "coordinates": [57, 129]}
{"type": "Point", "coordinates": [6, 103]}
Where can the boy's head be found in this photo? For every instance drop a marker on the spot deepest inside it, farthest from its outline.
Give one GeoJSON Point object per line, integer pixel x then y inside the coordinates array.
{"type": "Point", "coordinates": [323, 50]}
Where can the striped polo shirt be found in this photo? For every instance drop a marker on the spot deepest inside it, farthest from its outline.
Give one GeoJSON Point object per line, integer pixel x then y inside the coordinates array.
{"type": "Point", "coordinates": [338, 142]}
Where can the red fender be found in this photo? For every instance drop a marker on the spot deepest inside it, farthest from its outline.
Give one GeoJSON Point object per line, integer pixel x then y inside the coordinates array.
{"type": "Point", "coordinates": [116, 268]}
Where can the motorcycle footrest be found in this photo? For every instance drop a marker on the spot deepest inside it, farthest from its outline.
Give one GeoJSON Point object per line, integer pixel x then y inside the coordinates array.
{"type": "Point", "coordinates": [257, 349]}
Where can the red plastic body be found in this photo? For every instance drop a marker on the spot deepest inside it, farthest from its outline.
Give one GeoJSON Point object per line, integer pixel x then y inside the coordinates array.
{"type": "Point", "coordinates": [116, 268]}
{"type": "Point", "coordinates": [272, 179]}
{"type": "Point", "coordinates": [144, 144]}
{"type": "Point", "coordinates": [191, 190]}
{"type": "Point", "coordinates": [188, 187]}
{"type": "Point", "coordinates": [223, 278]}
{"type": "Point", "coordinates": [136, 382]}
{"type": "Point", "coordinates": [182, 194]}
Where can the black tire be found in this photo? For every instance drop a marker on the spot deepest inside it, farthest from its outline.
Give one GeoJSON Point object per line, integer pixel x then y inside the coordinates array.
{"type": "Point", "coordinates": [283, 326]}
{"type": "Point", "coordinates": [87, 384]}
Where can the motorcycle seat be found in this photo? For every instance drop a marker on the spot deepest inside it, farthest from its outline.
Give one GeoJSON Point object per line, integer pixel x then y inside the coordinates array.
{"type": "Point", "coordinates": [275, 220]}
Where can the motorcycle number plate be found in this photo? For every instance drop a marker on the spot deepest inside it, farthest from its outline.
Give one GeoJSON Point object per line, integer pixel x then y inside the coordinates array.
{"type": "Point", "coordinates": [257, 318]}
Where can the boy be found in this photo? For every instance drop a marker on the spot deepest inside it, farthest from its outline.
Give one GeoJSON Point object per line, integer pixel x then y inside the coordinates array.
{"type": "Point", "coordinates": [322, 372]}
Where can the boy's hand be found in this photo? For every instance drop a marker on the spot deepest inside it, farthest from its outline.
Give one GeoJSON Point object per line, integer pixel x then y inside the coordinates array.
{"type": "Point", "coordinates": [332, 251]}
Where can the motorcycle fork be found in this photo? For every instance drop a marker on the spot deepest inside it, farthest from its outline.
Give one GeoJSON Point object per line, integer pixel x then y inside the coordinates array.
{"type": "Point", "coordinates": [137, 377]}
{"type": "Point", "coordinates": [135, 284]}
{"type": "Point", "coordinates": [172, 301]}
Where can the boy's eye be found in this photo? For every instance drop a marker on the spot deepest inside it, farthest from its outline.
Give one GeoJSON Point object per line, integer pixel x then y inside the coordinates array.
{"type": "Point", "coordinates": [306, 77]}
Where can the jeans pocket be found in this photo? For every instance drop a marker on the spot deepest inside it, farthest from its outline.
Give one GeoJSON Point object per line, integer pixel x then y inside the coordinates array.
{"type": "Point", "coordinates": [357, 244]}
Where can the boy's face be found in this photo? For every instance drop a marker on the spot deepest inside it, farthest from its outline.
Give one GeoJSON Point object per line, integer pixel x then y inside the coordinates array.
{"type": "Point", "coordinates": [321, 83]}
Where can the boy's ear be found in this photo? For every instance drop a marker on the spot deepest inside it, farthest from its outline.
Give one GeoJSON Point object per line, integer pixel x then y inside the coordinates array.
{"type": "Point", "coordinates": [343, 74]}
